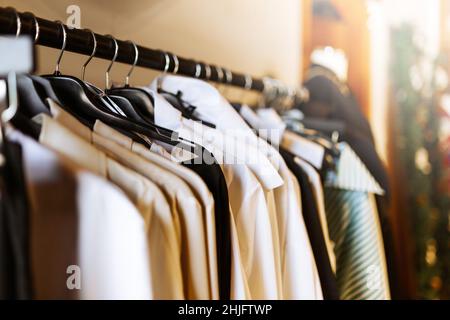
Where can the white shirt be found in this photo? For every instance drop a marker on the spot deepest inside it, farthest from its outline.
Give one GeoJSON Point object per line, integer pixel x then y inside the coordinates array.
{"type": "Point", "coordinates": [295, 265]}
{"type": "Point", "coordinates": [315, 180]}
{"type": "Point", "coordinates": [268, 119]}
{"type": "Point", "coordinates": [197, 185]}
{"type": "Point", "coordinates": [234, 137]}
{"type": "Point", "coordinates": [239, 285]}
{"type": "Point", "coordinates": [247, 201]}
{"type": "Point", "coordinates": [232, 134]}
{"type": "Point", "coordinates": [300, 275]}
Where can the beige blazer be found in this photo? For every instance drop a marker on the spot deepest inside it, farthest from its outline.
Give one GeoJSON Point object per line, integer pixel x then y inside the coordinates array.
{"type": "Point", "coordinates": [163, 242]}
{"type": "Point", "coordinates": [87, 240]}
{"type": "Point", "coordinates": [185, 207]}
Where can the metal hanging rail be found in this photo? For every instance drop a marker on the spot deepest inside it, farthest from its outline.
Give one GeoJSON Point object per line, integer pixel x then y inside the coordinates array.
{"type": "Point", "coordinates": [81, 41]}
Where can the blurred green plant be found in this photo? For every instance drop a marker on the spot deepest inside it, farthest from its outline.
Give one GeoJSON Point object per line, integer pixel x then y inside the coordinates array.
{"type": "Point", "coordinates": [417, 122]}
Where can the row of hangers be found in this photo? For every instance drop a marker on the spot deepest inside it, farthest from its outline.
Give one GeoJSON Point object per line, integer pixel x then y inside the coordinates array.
{"type": "Point", "coordinates": [126, 108]}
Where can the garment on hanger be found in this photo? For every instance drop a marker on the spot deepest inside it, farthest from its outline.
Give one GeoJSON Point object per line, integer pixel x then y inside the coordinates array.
{"type": "Point", "coordinates": [268, 118]}
{"type": "Point", "coordinates": [291, 195]}
{"type": "Point", "coordinates": [317, 191]}
{"type": "Point", "coordinates": [332, 99]}
{"type": "Point", "coordinates": [169, 191]}
{"type": "Point", "coordinates": [164, 246]}
{"type": "Point", "coordinates": [351, 173]}
{"type": "Point", "coordinates": [214, 179]}
{"type": "Point", "coordinates": [247, 198]}
{"type": "Point", "coordinates": [194, 252]}
{"type": "Point", "coordinates": [355, 229]}
{"type": "Point", "coordinates": [213, 196]}
{"type": "Point", "coordinates": [80, 223]}
{"type": "Point", "coordinates": [315, 229]}
{"type": "Point", "coordinates": [329, 98]}
{"type": "Point", "coordinates": [15, 281]}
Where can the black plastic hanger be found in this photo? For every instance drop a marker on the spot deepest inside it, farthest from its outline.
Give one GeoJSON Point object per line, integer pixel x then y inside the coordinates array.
{"type": "Point", "coordinates": [31, 96]}
{"type": "Point", "coordinates": [87, 105]}
{"type": "Point", "coordinates": [139, 98]}
{"type": "Point", "coordinates": [31, 91]}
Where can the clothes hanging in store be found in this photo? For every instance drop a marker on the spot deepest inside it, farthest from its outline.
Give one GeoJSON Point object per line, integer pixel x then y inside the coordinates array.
{"type": "Point", "coordinates": [15, 280]}
{"type": "Point", "coordinates": [350, 175]}
{"type": "Point", "coordinates": [287, 208]}
{"type": "Point", "coordinates": [315, 231]}
{"type": "Point", "coordinates": [74, 216]}
{"type": "Point", "coordinates": [332, 99]}
{"type": "Point", "coordinates": [135, 194]}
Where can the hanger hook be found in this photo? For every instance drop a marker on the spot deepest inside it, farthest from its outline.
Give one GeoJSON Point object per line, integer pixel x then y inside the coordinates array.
{"type": "Point", "coordinates": [36, 26]}
{"type": "Point", "coordinates": [220, 76]}
{"type": "Point", "coordinates": [177, 63]}
{"type": "Point", "coordinates": [228, 76]}
{"type": "Point", "coordinates": [63, 47]}
{"type": "Point", "coordinates": [94, 50]}
{"type": "Point", "coordinates": [136, 58]}
{"type": "Point", "coordinates": [167, 62]}
{"type": "Point", "coordinates": [18, 22]}
{"type": "Point", "coordinates": [198, 70]}
{"type": "Point", "coordinates": [248, 82]}
{"type": "Point", "coordinates": [228, 79]}
{"type": "Point", "coordinates": [116, 51]}
{"type": "Point", "coordinates": [207, 71]}
{"type": "Point", "coordinates": [219, 71]}
{"type": "Point", "coordinates": [10, 112]}
{"type": "Point", "coordinates": [166, 68]}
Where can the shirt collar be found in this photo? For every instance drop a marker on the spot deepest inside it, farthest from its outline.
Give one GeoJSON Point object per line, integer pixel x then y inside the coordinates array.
{"type": "Point", "coordinates": [165, 115]}
{"type": "Point", "coordinates": [209, 103]}
{"type": "Point", "coordinates": [268, 123]}
{"type": "Point", "coordinates": [303, 148]}
{"type": "Point", "coordinates": [352, 174]}
{"type": "Point", "coordinates": [212, 139]}
{"type": "Point", "coordinates": [230, 150]}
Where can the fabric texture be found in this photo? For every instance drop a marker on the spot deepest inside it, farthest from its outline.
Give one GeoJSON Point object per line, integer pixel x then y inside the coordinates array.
{"type": "Point", "coordinates": [250, 210]}
{"type": "Point", "coordinates": [151, 202]}
{"type": "Point", "coordinates": [214, 216]}
{"type": "Point", "coordinates": [317, 191]}
{"type": "Point", "coordinates": [360, 260]}
{"type": "Point", "coordinates": [300, 277]}
{"type": "Point", "coordinates": [83, 226]}
{"type": "Point", "coordinates": [331, 99]}
{"type": "Point", "coordinates": [315, 231]}
{"type": "Point", "coordinates": [209, 185]}
{"type": "Point", "coordinates": [15, 278]}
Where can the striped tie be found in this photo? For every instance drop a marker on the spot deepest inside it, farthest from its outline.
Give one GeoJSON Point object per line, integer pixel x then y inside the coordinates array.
{"type": "Point", "coordinates": [352, 174]}
{"type": "Point", "coordinates": [355, 230]}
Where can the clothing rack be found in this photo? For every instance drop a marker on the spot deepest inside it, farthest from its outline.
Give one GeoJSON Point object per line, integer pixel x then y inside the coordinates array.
{"type": "Point", "coordinates": [81, 41]}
